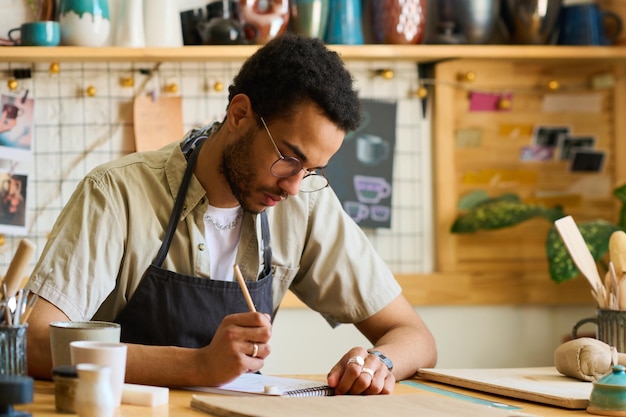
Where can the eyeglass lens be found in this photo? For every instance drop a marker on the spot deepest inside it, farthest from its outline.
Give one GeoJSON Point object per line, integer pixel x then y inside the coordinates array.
{"type": "Point", "coordinates": [289, 166]}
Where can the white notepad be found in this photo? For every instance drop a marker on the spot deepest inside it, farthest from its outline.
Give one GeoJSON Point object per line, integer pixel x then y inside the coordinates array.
{"type": "Point", "coordinates": [258, 384]}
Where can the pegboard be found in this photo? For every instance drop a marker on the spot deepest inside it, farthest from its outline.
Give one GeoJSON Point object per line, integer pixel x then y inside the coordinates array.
{"type": "Point", "coordinates": [83, 117]}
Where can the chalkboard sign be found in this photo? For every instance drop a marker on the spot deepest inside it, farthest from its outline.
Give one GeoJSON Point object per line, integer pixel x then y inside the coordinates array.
{"type": "Point", "coordinates": [361, 171]}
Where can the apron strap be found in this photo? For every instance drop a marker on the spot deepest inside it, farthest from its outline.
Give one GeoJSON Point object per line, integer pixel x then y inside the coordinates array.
{"type": "Point", "coordinates": [178, 205]}
{"type": "Point", "coordinates": [191, 148]}
{"type": "Point", "coordinates": [267, 249]}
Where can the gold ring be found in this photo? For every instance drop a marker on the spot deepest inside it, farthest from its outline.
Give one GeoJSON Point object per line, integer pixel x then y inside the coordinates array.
{"type": "Point", "coordinates": [255, 350]}
{"type": "Point", "coordinates": [368, 371]}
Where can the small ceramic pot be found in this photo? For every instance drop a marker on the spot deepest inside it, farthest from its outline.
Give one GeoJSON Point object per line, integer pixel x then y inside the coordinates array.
{"type": "Point", "coordinates": [608, 395]}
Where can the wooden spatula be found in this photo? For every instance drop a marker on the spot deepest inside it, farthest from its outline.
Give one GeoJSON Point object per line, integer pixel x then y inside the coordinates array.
{"type": "Point", "coordinates": [582, 257]}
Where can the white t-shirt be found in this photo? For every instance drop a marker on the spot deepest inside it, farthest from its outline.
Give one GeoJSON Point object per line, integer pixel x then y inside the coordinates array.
{"type": "Point", "coordinates": [222, 228]}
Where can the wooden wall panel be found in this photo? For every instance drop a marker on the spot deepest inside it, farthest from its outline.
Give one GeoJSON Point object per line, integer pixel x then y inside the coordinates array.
{"type": "Point", "coordinates": [520, 250]}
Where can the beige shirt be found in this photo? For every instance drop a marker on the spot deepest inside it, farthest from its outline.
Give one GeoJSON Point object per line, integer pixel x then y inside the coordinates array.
{"type": "Point", "coordinates": [112, 226]}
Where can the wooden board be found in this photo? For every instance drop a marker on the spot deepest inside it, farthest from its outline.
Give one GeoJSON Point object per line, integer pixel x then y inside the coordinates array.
{"type": "Point", "coordinates": [542, 384]}
{"type": "Point", "coordinates": [344, 405]}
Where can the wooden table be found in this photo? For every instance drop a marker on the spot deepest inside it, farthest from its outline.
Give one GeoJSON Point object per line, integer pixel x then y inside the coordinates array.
{"type": "Point", "coordinates": [179, 400]}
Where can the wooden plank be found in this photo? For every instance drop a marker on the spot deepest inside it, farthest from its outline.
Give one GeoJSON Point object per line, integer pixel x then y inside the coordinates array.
{"type": "Point", "coordinates": [460, 170]}
{"type": "Point", "coordinates": [541, 384]}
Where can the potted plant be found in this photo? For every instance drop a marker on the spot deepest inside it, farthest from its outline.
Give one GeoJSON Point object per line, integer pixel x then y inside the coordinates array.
{"type": "Point", "coordinates": [481, 212]}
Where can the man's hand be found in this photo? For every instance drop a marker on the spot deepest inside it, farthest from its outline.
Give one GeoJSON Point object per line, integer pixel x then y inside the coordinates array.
{"type": "Point", "coordinates": [359, 372]}
{"type": "Point", "coordinates": [232, 350]}
{"type": "Point", "coordinates": [6, 123]}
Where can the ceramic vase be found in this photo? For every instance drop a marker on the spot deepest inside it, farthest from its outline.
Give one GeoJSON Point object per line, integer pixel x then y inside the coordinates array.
{"type": "Point", "coordinates": [309, 17]}
{"type": "Point", "coordinates": [94, 394]}
{"type": "Point", "coordinates": [398, 21]}
{"type": "Point", "coordinates": [270, 17]}
{"type": "Point", "coordinates": [161, 23]}
{"type": "Point", "coordinates": [84, 22]}
{"type": "Point", "coordinates": [532, 22]}
{"type": "Point", "coordinates": [129, 27]}
{"type": "Point", "coordinates": [477, 19]}
{"type": "Point", "coordinates": [344, 23]}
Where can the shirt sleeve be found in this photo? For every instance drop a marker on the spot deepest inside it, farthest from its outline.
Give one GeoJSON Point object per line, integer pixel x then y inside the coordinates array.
{"type": "Point", "coordinates": [78, 267]}
{"type": "Point", "coordinates": [341, 275]}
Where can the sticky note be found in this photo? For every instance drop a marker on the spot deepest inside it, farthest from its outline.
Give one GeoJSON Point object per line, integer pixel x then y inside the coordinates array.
{"type": "Point", "coordinates": [490, 101]}
{"type": "Point", "coordinates": [469, 138]}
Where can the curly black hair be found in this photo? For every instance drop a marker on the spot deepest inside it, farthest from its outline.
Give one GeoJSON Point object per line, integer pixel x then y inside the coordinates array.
{"type": "Point", "coordinates": [292, 69]}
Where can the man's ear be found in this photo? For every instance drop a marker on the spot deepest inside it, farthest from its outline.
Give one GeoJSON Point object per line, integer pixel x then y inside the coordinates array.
{"type": "Point", "coordinates": [239, 113]}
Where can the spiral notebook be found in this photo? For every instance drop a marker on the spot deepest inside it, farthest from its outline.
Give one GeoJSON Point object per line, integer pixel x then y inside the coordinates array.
{"type": "Point", "coordinates": [258, 384]}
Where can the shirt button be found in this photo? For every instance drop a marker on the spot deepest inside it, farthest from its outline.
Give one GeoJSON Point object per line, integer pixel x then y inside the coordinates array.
{"type": "Point", "coordinates": [201, 246]}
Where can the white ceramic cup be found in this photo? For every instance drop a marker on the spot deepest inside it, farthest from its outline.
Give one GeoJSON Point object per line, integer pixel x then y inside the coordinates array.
{"type": "Point", "coordinates": [111, 355]}
{"type": "Point", "coordinates": [64, 332]}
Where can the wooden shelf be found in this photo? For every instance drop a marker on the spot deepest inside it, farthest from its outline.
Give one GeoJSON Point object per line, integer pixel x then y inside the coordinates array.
{"type": "Point", "coordinates": [417, 53]}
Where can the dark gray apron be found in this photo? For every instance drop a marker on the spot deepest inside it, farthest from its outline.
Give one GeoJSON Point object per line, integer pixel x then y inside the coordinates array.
{"type": "Point", "coordinates": [172, 309]}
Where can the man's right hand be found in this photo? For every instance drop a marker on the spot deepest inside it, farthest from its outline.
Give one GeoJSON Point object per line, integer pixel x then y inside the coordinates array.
{"type": "Point", "coordinates": [232, 350]}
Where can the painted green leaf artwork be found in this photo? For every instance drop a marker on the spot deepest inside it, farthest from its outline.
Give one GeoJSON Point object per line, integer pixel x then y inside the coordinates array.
{"type": "Point", "coordinates": [481, 212]}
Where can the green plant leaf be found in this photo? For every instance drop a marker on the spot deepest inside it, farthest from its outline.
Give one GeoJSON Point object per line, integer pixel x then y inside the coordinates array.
{"type": "Point", "coordinates": [620, 193]}
{"type": "Point", "coordinates": [501, 212]}
{"type": "Point", "coordinates": [596, 234]}
{"type": "Point", "coordinates": [473, 199]}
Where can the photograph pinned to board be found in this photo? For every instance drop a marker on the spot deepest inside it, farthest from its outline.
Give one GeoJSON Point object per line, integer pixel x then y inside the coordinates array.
{"type": "Point", "coordinates": [544, 143]}
{"type": "Point", "coordinates": [549, 135]}
{"type": "Point", "coordinates": [361, 172]}
{"type": "Point", "coordinates": [16, 126]}
{"type": "Point", "coordinates": [537, 153]}
{"type": "Point", "coordinates": [588, 160]}
{"type": "Point", "coordinates": [569, 145]}
{"type": "Point", "coordinates": [13, 202]}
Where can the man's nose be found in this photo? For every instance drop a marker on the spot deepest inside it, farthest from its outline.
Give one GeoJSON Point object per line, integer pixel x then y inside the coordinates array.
{"type": "Point", "coordinates": [291, 185]}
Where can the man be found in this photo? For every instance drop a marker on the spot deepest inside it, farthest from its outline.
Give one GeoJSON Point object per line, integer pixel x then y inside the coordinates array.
{"type": "Point", "coordinates": [150, 240]}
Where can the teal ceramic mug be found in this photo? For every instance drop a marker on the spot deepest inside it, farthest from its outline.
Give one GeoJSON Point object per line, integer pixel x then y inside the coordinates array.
{"type": "Point", "coordinates": [37, 34]}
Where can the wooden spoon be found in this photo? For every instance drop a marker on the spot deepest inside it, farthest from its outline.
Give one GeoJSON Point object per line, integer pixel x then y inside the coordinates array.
{"type": "Point", "coordinates": [17, 267]}
{"type": "Point", "coordinates": [582, 257]}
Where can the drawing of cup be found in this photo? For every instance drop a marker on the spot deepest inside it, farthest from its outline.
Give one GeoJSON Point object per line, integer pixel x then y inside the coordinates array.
{"type": "Point", "coordinates": [11, 110]}
{"type": "Point", "coordinates": [356, 210]}
{"type": "Point", "coordinates": [371, 149]}
{"type": "Point", "coordinates": [371, 189]}
{"type": "Point", "coordinates": [380, 213]}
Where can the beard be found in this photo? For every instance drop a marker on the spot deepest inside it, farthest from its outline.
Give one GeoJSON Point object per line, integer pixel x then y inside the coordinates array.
{"type": "Point", "coordinates": [240, 175]}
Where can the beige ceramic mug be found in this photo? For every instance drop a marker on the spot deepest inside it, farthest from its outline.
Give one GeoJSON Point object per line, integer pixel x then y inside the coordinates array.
{"type": "Point", "coordinates": [110, 355]}
{"type": "Point", "coordinates": [64, 332]}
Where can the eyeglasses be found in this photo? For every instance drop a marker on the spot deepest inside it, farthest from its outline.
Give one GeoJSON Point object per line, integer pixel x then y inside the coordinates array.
{"type": "Point", "coordinates": [287, 166]}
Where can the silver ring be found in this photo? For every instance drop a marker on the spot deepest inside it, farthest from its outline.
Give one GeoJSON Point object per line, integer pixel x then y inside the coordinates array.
{"type": "Point", "coordinates": [356, 359]}
{"type": "Point", "coordinates": [255, 350]}
{"type": "Point", "coordinates": [368, 371]}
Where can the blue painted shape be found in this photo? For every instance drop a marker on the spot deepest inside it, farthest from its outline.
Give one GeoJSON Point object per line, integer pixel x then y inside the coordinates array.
{"type": "Point", "coordinates": [460, 396]}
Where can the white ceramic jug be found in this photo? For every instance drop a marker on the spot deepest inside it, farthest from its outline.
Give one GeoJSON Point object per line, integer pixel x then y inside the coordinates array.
{"type": "Point", "coordinates": [129, 30]}
{"type": "Point", "coordinates": [94, 394]}
{"type": "Point", "coordinates": [161, 22]}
